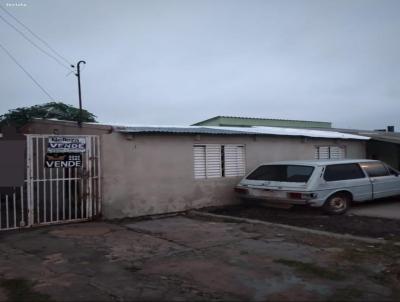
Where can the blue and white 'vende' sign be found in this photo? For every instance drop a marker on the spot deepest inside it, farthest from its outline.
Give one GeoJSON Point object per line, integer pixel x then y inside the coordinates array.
{"type": "Point", "coordinates": [66, 144]}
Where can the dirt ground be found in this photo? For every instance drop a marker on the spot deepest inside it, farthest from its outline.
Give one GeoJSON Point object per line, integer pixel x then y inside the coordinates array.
{"type": "Point", "coordinates": [183, 258]}
{"type": "Point", "coordinates": [314, 218]}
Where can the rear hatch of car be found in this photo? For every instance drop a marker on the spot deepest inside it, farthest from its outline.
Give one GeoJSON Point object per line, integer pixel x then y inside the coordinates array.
{"type": "Point", "coordinates": [280, 181]}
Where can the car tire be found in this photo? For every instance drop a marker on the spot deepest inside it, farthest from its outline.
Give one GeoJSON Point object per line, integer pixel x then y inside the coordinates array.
{"type": "Point", "coordinates": [337, 204]}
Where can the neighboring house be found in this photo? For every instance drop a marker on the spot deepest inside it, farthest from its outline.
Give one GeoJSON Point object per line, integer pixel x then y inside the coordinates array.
{"type": "Point", "coordinates": [233, 121]}
{"type": "Point", "coordinates": [383, 145]}
{"type": "Point", "coordinates": [159, 169]}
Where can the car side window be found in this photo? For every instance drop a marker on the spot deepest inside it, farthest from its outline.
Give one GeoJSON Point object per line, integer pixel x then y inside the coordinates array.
{"type": "Point", "coordinates": [343, 172]}
{"type": "Point", "coordinates": [392, 171]}
{"type": "Point", "coordinates": [375, 169]}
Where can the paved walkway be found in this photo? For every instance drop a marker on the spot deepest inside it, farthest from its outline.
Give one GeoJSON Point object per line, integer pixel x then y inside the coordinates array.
{"type": "Point", "coordinates": [181, 259]}
{"type": "Point", "coordinates": [385, 208]}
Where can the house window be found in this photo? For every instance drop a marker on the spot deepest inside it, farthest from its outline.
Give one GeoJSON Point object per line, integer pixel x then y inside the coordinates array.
{"type": "Point", "coordinates": [212, 161]}
{"type": "Point", "coordinates": [234, 160]}
{"type": "Point", "coordinates": [330, 152]}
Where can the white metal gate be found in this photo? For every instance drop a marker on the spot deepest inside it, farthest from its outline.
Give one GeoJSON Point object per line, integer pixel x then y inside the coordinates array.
{"type": "Point", "coordinates": [54, 195]}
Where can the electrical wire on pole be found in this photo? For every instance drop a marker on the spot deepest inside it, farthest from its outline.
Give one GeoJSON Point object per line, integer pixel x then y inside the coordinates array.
{"type": "Point", "coordinates": [26, 72]}
{"type": "Point", "coordinates": [78, 74]}
{"type": "Point", "coordinates": [56, 56]}
{"type": "Point", "coordinates": [35, 45]}
{"type": "Point", "coordinates": [37, 37]}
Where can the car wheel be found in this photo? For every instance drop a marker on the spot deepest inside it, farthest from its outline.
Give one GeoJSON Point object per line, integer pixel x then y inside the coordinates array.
{"type": "Point", "coordinates": [337, 204]}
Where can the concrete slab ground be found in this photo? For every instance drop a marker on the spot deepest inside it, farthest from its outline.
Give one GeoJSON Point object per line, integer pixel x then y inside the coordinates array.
{"type": "Point", "coordinates": [181, 258]}
{"type": "Point", "coordinates": [385, 208]}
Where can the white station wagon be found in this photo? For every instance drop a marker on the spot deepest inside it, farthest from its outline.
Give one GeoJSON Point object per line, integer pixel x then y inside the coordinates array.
{"type": "Point", "coordinates": [331, 184]}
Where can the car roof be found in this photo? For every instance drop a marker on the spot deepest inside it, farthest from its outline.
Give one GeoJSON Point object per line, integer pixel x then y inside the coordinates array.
{"type": "Point", "coordinates": [320, 162]}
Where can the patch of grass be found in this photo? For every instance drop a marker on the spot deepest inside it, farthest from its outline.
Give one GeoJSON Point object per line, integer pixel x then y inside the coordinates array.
{"type": "Point", "coordinates": [311, 269]}
{"type": "Point", "coordinates": [346, 294]}
{"type": "Point", "coordinates": [21, 290]}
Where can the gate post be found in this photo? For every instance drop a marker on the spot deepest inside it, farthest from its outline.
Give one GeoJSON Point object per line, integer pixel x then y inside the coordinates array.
{"type": "Point", "coordinates": [29, 177]}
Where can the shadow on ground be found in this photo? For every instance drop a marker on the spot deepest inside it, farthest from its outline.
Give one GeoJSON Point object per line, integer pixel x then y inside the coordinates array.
{"type": "Point", "coordinates": [374, 225]}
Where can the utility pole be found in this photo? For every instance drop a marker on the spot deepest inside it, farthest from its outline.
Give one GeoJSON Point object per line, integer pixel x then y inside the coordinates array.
{"type": "Point", "coordinates": [78, 74]}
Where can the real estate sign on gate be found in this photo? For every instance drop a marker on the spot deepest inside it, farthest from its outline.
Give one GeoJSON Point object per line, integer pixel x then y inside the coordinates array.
{"type": "Point", "coordinates": [66, 160]}
{"type": "Point", "coordinates": [66, 144]}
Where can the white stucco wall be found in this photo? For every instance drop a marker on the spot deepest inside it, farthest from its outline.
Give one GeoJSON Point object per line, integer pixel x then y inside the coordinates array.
{"type": "Point", "coordinates": [153, 174]}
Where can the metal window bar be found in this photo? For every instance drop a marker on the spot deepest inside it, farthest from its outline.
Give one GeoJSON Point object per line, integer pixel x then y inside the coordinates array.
{"type": "Point", "coordinates": [69, 193]}
{"type": "Point", "coordinates": [51, 194]}
{"type": "Point", "coordinates": [37, 177]}
{"type": "Point", "coordinates": [88, 180]}
{"type": "Point", "coordinates": [75, 193]}
{"type": "Point", "coordinates": [57, 196]}
{"type": "Point", "coordinates": [14, 210]}
{"type": "Point", "coordinates": [42, 154]}
{"type": "Point", "coordinates": [98, 174]}
{"type": "Point", "coordinates": [63, 194]}
{"type": "Point", "coordinates": [22, 221]}
{"type": "Point", "coordinates": [92, 143]}
{"type": "Point", "coordinates": [7, 214]}
{"type": "Point", "coordinates": [1, 214]}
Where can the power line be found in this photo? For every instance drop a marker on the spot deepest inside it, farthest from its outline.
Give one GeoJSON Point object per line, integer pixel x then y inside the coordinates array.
{"type": "Point", "coordinates": [26, 72]}
{"type": "Point", "coordinates": [34, 44]}
{"type": "Point", "coordinates": [36, 36]}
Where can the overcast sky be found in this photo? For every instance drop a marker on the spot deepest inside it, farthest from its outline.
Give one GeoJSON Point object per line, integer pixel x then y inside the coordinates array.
{"type": "Point", "coordinates": [179, 62]}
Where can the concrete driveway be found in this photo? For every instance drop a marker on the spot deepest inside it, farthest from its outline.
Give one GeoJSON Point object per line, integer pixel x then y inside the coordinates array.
{"type": "Point", "coordinates": [384, 208]}
{"type": "Point", "coordinates": [182, 258]}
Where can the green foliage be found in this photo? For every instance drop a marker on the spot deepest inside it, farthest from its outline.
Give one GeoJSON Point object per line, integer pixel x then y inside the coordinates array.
{"type": "Point", "coordinates": [53, 110]}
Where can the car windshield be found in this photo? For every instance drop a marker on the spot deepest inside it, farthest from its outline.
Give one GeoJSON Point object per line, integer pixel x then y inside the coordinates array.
{"type": "Point", "coordinates": [284, 173]}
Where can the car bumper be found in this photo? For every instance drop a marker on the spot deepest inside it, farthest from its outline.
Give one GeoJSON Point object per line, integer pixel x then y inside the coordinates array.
{"type": "Point", "coordinates": [274, 200]}
{"type": "Point", "coordinates": [279, 196]}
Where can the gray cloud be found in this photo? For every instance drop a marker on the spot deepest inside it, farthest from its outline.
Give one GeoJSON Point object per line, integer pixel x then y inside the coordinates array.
{"type": "Point", "coordinates": [177, 62]}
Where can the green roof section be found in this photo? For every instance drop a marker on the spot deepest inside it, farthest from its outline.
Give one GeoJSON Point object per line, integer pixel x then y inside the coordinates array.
{"type": "Point", "coordinates": [236, 121]}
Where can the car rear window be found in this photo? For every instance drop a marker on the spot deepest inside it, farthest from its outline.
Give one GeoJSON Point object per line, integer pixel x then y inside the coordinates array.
{"type": "Point", "coordinates": [375, 169]}
{"type": "Point", "coordinates": [284, 173]}
{"type": "Point", "coordinates": [343, 172]}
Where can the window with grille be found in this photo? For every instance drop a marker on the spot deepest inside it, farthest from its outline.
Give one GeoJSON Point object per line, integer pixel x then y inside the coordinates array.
{"type": "Point", "coordinates": [330, 152]}
{"type": "Point", "coordinates": [211, 161]}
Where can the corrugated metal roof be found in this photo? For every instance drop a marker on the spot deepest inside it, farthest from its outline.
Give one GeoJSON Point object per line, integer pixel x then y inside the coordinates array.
{"type": "Point", "coordinates": [239, 131]}
{"type": "Point", "coordinates": [326, 133]}
{"type": "Point", "coordinates": [232, 121]}
{"type": "Point", "coordinates": [383, 137]}
{"type": "Point", "coordinates": [174, 129]}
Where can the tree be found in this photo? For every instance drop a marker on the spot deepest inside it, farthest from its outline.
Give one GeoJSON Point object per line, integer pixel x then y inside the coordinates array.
{"type": "Point", "coordinates": [56, 110]}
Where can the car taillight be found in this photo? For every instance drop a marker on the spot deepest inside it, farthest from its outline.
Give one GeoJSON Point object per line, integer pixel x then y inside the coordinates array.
{"type": "Point", "coordinates": [298, 195]}
{"type": "Point", "coordinates": [241, 190]}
